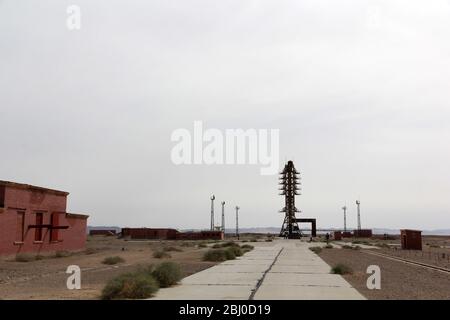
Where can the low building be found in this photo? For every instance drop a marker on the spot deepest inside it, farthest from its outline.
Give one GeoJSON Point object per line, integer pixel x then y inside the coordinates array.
{"type": "Point", "coordinates": [169, 234]}
{"type": "Point", "coordinates": [346, 234]}
{"type": "Point", "coordinates": [102, 232]}
{"type": "Point", "coordinates": [149, 233]}
{"type": "Point", "coordinates": [34, 219]}
{"type": "Point", "coordinates": [362, 233]}
{"type": "Point", "coordinates": [411, 239]}
{"type": "Point", "coordinates": [201, 235]}
{"type": "Point", "coordinates": [337, 235]}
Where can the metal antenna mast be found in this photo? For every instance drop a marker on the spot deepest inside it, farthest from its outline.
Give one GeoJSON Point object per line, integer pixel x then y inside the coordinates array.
{"type": "Point", "coordinates": [359, 214]}
{"type": "Point", "coordinates": [345, 218]}
{"type": "Point", "coordinates": [212, 212]}
{"type": "Point", "coordinates": [289, 182]}
{"type": "Point", "coordinates": [223, 217]}
{"type": "Point", "coordinates": [237, 222]}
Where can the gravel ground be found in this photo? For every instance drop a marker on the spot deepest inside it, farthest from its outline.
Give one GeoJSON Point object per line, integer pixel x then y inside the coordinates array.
{"type": "Point", "coordinates": [46, 279]}
{"type": "Point", "coordinates": [436, 257]}
{"type": "Point", "coordinates": [398, 280]}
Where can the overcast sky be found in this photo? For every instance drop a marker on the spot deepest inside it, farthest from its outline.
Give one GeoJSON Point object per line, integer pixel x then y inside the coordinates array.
{"type": "Point", "coordinates": [359, 90]}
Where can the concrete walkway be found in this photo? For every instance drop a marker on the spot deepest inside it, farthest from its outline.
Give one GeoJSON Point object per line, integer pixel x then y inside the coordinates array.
{"type": "Point", "coordinates": [279, 270]}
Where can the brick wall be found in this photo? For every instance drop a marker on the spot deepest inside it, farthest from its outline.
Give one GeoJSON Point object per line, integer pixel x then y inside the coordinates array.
{"type": "Point", "coordinates": [22, 205]}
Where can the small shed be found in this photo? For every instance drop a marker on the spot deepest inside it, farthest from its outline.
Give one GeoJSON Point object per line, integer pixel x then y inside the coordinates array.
{"type": "Point", "coordinates": [337, 235]}
{"type": "Point", "coordinates": [411, 239]}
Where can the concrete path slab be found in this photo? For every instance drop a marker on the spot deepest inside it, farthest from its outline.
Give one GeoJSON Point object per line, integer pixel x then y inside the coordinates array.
{"type": "Point", "coordinates": [278, 268]}
{"type": "Point", "coordinates": [201, 292]}
{"type": "Point", "coordinates": [238, 268]}
{"type": "Point", "coordinates": [305, 279]}
{"type": "Point", "coordinates": [217, 278]}
{"type": "Point", "coordinates": [278, 292]}
{"type": "Point", "coordinates": [282, 269]}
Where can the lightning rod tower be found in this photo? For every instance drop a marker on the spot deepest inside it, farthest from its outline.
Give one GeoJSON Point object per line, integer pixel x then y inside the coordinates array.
{"type": "Point", "coordinates": [237, 222]}
{"type": "Point", "coordinates": [345, 218]}
{"type": "Point", "coordinates": [212, 212]}
{"type": "Point", "coordinates": [223, 217]}
{"type": "Point", "coordinates": [359, 214]}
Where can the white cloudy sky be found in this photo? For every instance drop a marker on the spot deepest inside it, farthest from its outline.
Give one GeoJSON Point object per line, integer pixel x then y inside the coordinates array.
{"type": "Point", "coordinates": [359, 91]}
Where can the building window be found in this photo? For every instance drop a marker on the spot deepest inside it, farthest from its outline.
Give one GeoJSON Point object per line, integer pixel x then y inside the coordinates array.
{"type": "Point", "coordinates": [2, 196]}
{"type": "Point", "coordinates": [20, 226]}
{"type": "Point", "coordinates": [54, 234]}
{"type": "Point", "coordinates": [38, 230]}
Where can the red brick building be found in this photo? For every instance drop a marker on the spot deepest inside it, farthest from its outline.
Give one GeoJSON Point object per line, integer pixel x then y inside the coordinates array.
{"type": "Point", "coordinates": [102, 232]}
{"type": "Point", "coordinates": [411, 239]}
{"type": "Point", "coordinates": [34, 219]}
{"type": "Point", "coordinates": [200, 235]}
{"type": "Point", "coordinates": [170, 234]}
{"type": "Point", "coordinates": [362, 233]}
{"type": "Point", "coordinates": [149, 233]}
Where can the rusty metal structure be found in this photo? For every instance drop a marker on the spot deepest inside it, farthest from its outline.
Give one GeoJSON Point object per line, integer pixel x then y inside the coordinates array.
{"type": "Point", "coordinates": [289, 182]}
{"type": "Point", "coordinates": [289, 187]}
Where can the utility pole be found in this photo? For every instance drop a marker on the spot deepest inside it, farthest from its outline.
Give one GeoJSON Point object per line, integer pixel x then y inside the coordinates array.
{"type": "Point", "coordinates": [359, 214]}
{"type": "Point", "coordinates": [223, 217]}
{"type": "Point", "coordinates": [345, 218]}
{"type": "Point", "coordinates": [212, 212]}
{"type": "Point", "coordinates": [237, 222]}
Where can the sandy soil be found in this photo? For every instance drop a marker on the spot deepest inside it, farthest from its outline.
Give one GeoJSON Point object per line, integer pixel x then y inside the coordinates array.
{"type": "Point", "coordinates": [46, 279]}
{"type": "Point", "coordinates": [398, 280]}
{"type": "Point", "coordinates": [435, 249]}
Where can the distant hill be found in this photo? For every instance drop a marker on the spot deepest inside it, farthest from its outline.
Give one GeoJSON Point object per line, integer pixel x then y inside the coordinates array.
{"type": "Point", "coordinates": [274, 230]}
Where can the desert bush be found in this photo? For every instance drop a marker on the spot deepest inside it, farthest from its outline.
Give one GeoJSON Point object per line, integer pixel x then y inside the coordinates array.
{"type": "Point", "coordinates": [170, 248]}
{"type": "Point", "coordinates": [62, 254]}
{"type": "Point", "coordinates": [254, 240]}
{"type": "Point", "coordinates": [25, 257]}
{"type": "Point", "coordinates": [230, 244]}
{"type": "Point", "coordinates": [236, 250]}
{"type": "Point", "coordinates": [113, 260]}
{"type": "Point", "coordinates": [316, 250]}
{"type": "Point", "coordinates": [90, 251]}
{"type": "Point", "coordinates": [167, 274]}
{"type": "Point", "coordinates": [215, 255]}
{"type": "Point", "coordinates": [230, 254]}
{"type": "Point", "coordinates": [137, 285]}
{"type": "Point", "coordinates": [356, 248]}
{"type": "Point", "coordinates": [187, 244]}
{"type": "Point", "coordinates": [346, 246]}
{"type": "Point", "coordinates": [225, 245]}
{"type": "Point", "coordinates": [360, 242]}
{"type": "Point", "coordinates": [247, 247]}
{"type": "Point", "coordinates": [341, 268]}
{"type": "Point", "coordinates": [161, 255]}
{"type": "Point", "coordinates": [329, 246]}
{"type": "Point", "coordinates": [202, 245]}
{"type": "Point", "coordinates": [269, 240]}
